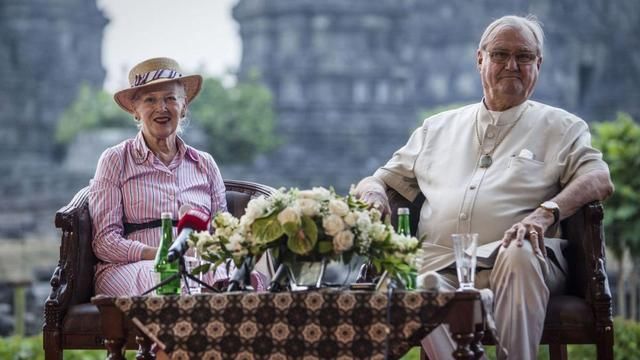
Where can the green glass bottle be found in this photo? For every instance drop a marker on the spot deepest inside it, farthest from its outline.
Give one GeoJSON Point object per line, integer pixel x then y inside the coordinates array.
{"type": "Point", "coordinates": [164, 268]}
{"type": "Point", "coordinates": [404, 228]}
{"type": "Point", "coordinates": [404, 225]}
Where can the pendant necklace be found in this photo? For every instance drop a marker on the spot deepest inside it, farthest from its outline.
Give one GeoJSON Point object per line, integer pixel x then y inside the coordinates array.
{"type": "Point", "coordinates": [486, 160]}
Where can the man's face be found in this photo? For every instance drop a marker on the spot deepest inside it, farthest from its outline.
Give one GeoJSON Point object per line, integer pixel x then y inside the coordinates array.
{"type": "Point", "coordinates": [508, 67]}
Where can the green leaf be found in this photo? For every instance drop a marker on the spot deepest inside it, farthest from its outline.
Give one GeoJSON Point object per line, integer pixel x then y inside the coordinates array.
{"type": "Point", "coordinates": [325, 247]}
{"type": "Point", "coordinates": [201, 269]}
{"type": "Point", "coordinates": [303, 241]}
{"type": "Point", "coordinates": [290, 228]}
{"type": "Point", "coordinates": [267, 229]}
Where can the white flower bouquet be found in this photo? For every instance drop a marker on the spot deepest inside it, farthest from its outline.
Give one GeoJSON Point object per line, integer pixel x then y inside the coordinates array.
{"type": "Point", "coordinates": [303, 225]}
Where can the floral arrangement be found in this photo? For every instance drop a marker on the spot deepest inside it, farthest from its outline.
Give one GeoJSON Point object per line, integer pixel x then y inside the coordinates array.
{"type": "Point", "coordinates": [308, 225]}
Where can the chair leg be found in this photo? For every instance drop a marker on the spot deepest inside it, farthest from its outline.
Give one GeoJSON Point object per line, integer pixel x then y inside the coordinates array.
{"type": "Point", "coordinates": [604, 346]}
{"type": "Point", "coordinates": [558, 351]}
{"type": "Point", "coordinates": [52, 348]}
{"type": "Point", "coordinates": [423, 354]}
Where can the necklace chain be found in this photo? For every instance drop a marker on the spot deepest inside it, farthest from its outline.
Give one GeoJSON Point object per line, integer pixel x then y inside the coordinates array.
{"type": "Point", "coordinates": [500, 139]}
{"type": "Point", "coordinates": [486, 160]}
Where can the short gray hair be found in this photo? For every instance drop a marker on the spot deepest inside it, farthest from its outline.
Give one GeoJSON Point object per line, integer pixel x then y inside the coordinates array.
{"type": "Point", "coordinates": [530, 22]}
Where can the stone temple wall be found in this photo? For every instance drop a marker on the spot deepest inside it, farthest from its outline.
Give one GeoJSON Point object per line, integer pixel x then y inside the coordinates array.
{"type": "Point", "coordinates": [350, 78]}
{"type": "Point", "coordinates": [48, 48]}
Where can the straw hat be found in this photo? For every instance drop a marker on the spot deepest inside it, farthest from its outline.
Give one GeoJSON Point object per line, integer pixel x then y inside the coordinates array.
{"type": "Point", "coordinates": [155, 71]}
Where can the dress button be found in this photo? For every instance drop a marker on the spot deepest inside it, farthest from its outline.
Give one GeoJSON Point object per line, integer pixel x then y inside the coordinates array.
{"type": "Point", "coordinates": [490, 134]}
{"type": "Point", "coordinates": [171, 197]}
{"type": "Point", "coordinates": [463, 216]}
{"type": "Point", "coordinates": [472, 187]}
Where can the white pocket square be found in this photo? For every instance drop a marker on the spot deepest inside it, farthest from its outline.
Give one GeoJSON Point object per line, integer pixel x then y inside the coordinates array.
{"type": "Point", "coordinates": [526, 154]}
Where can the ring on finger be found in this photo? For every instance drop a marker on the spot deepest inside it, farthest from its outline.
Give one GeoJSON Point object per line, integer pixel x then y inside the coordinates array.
{"type": "Point", "coordinates": [533, 233]}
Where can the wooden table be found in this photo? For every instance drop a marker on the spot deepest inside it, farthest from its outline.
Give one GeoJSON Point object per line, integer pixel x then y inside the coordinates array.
{"type": "Point", "coordinates": [323, 324]}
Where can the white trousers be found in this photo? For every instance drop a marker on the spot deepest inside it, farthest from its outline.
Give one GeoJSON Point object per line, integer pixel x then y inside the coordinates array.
{"type": "Point", "coordinates": [521, 282]}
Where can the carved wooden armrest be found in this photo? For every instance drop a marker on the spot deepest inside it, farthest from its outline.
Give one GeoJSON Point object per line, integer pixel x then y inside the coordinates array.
{"type": "Point", "coordinates": [62, 285]}
{"type": "Point", "coordinates": [598, 291]}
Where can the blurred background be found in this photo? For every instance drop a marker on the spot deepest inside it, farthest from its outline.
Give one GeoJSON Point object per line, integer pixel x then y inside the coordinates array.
{"type": "Point", "coordinates": [297, 93]}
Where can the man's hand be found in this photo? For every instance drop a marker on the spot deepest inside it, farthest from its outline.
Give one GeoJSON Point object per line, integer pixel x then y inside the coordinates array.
{"type": "Point", "coordinates": [373, 191]}
{"type": "Point", "coordinates": [532, 228]}
{"type": "Point", "coordinates": [377, 200]}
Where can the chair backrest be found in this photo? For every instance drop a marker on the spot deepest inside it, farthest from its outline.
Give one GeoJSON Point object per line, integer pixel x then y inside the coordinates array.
{"type": "Point", "coordinates": [583, 230]}
{"type": "Point", "coordinates": [77, 260]}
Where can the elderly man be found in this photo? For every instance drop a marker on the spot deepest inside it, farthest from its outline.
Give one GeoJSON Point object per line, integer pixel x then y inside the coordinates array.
{"type": "Point", "coordinates": [507, 168]}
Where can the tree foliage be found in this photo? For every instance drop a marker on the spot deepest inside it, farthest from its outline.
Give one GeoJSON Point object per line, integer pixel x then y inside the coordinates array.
{"type": "Point", "coordinates": [239, 120]}
{"type": "Point", "coordinates": [619, 142]}
{"type": "Point", "coordinates": [92, 108]}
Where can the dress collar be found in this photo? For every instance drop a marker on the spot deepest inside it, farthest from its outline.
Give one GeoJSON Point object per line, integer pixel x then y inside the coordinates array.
{"type": "Point", "coordinates": [141, 151]}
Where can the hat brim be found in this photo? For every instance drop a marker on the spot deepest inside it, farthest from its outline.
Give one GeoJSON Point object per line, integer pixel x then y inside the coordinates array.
{"type": "Point", "coordinates": [191, 83]}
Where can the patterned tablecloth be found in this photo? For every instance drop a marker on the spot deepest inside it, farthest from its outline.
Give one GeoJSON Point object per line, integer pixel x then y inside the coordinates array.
{"type": "Point", "coordinates": [326, 324]}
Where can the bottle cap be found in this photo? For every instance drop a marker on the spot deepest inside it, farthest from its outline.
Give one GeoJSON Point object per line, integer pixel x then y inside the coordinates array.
{"type": "Point", "coordinates": [166, 215]}
{"type": "Point", "coordinates": [403, 211]}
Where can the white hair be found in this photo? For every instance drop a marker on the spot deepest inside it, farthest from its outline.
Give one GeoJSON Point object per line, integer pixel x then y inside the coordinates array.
{"type": "Point", "coordinates": [530, 22]}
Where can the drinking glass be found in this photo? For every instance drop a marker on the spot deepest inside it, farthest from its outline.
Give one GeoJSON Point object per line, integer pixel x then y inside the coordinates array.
{"type": "Point", "coordinates": [192, 286]}
{"type": "Point", "coordinates": [465, 247]}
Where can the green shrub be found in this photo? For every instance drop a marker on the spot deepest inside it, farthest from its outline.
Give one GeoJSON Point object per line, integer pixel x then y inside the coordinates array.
{"type": "Point", "coordinates": [626, 347]}
{"type": "Point", "coordinates": [92, 108]}
{"type": "Point", "coordinates": [30, 348]}
{"type": "Point", "coordinates": [238, 121]}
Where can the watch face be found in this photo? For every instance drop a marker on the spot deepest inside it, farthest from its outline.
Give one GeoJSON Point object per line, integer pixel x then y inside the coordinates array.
{"type": "Point", "coordinates": [552, 207]}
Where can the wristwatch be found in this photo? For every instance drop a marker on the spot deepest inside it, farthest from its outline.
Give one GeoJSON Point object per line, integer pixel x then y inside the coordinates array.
{"type": "Point", "coordinates": [552, 207]}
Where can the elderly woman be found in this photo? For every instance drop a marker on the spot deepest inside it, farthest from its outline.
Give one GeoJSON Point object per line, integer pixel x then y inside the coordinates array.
{"type": "Point", "coordinates": [154, 172]}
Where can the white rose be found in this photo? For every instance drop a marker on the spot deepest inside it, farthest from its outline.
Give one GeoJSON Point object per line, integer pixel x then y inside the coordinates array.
{"type": "Point", "coordinates": [256, 208]}
{"type": "Point", "coordinates": [338, 207]}
{"type": "Point", "coordinates": [289, 215]}
{"type": "Point", "coordinates": [363, 222]}
{"type": "Point", "coordinates": [224, 219]}
{"type": "Point", "coordinates": [351, 219]}
{"type": "Point", "coordinates": [306, 194]}
{"type": "Point", "coordinates": [343, 241]}
{"type": "Point", "coordinates": [364, 241]}
{"type": "Point", "coordinates": [321, 193]}
{"type": "Point", "coordinates": [202, 240]}
{"type": "Point", "coordinates": [308, 207]}
{"type": "Point", "coordinates": [404, 243]}
{"type": "Point", "coordinates": [378, 232]}
{"type": "Point", "coordinates": [332, 225]}
{"type": "Point", "coordinates": [235, 243]}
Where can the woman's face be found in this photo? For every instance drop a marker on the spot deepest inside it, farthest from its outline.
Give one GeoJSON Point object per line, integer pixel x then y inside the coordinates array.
{"type": "Point", "coordinates": [159, 108]}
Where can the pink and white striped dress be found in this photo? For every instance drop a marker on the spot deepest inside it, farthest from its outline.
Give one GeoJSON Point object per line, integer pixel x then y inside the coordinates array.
{"type": "Point", "coordinates": [132, 185]}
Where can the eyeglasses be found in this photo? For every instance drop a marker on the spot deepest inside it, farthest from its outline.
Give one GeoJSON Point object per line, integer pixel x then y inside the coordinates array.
{"type": "Point", "coordinates": [502, 57]}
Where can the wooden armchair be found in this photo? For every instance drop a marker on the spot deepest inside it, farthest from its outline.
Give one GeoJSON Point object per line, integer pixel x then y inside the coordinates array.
{"type": "Point", "coordinates": [584, 314]}
{"type": "Point", "coordinates": [71, 321]}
